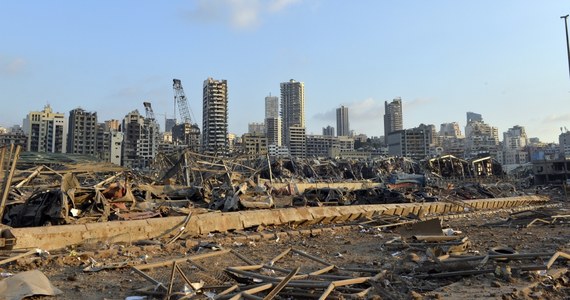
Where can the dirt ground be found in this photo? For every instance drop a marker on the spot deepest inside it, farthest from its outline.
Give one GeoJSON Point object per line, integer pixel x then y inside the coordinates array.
{"type": "Point", "coordinates": [404, 269]}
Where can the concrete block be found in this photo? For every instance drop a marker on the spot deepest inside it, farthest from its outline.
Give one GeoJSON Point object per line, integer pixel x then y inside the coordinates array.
{"type": "Point", "coordinates": [316, 231]}
{"type": "Point", "coordinates": [293, 233]}
{"type": "Point", "coordinates": [268, 236]}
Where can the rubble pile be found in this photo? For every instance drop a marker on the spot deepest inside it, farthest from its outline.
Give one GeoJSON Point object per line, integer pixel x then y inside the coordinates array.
{"type": "Point", "coordinates": [76, 191]}
{"type": "Point", "coordinates": [393, 258]}
{"type": "Point", "coordinates": [280, 229]}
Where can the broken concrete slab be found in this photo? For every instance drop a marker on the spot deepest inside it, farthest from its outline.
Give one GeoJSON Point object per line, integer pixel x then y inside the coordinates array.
{"type": "Point", "coordinates": [55, 237]}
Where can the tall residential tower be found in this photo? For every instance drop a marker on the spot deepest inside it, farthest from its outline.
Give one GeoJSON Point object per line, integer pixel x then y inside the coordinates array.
{"type": "Point", "coordinates": [292, 109]}
{"type": "Point", "coordinates": [393, 119]}
{"type": "Point", "coordinates": [82, 132]}
{"type": "Point", "coordinates": [46, 131]}
{"type": "Point", "coordinates": [215, 117]}
{"type": "Point", "coordinates": [272, 121]}
{"type": "Point", "coordinates": [342, 125]}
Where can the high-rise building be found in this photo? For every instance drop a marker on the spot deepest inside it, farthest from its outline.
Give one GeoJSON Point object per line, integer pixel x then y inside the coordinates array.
{"type": "Point", "coordinates": [564, 142]}
{"type": "Point", "coordinates": [273, 131]}
{"type": "Point", "coordinates": [141, 138]}
{"type": "Point", "coordinates": [215, 117]}
{"type": "Point", "coordinates": [292, 108]}
{"type": "Point", "coordinates": [168, 124]}
{"type": "Point", "coordinates": [414, 143]}
{"type": "Point", "coordinates": [254, 144]}
{"type": "Point", "coordinates": [321, 145]}
{"type": "Point", "coordinates": [256, 128]}
{"type": "Point", "coordinates": [109, 142]}
{"type": "Point", "coordinates": [297, 142]}
{"type": "Point", "coordinates": [342, 125]}
{"type": "Point", "coordinates": [450, 130]}
{"type": "Point", "coordinates": [82, 132]}
{"type": "Point", "coordinates": [328, 131]}
{"type": "Point", "coordinates": [480, 138]}
{"type": "Point", "coordinates": [113, 125]}
{"type": "Point", "coordinates": [46, 131]}
{"type": "Point", "coordinates": [187, 134]}
{"type": "Point", "coordinates": [271, 107]}
{"type": "Point", "coordinates": [272, 120]}
{"type": "Point", "coordinates": [515, 138]}
{"type": "Point", "coordinates": [514, 150]}
{"type": "Point", "coordinates": [393, 118]}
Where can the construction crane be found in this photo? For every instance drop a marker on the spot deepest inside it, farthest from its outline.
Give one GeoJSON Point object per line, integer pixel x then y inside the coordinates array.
{"type": "Point", "coordinates": [148, 109]}
{"type": "Point", "coordinates": [181, 102]}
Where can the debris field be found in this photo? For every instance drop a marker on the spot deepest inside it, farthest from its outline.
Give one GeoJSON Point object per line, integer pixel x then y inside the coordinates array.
{"type": "Point", "coordinates": [200, 227]}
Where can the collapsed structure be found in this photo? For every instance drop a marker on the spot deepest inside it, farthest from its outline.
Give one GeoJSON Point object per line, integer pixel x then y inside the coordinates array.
{"type": "Point", "coordinates": [192, 195]}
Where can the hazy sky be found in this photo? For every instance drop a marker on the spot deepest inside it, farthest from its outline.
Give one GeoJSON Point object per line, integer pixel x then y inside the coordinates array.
{"type": "Point", "coordinates": [503, 59]}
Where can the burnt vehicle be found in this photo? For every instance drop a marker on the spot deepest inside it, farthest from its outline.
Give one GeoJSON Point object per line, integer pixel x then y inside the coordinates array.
{"type": "Point", "coordinates": [377, 195]}
{"type": "Point", "coordinates": [323, 196]}
{"type": "Point", "coordinates": [47, 207]}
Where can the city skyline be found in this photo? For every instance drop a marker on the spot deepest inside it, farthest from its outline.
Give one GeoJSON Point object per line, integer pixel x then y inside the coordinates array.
{"type": "Point", "coordinates": [506, 61]}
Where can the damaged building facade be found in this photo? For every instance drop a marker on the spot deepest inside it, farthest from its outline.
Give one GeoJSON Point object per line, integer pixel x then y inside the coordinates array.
{"type": "Point", "coordinates": [46, 131]}
{"type": "Point", "coordinates": [415, 143]}
{"type": "Point", "coordinates": [215, 117]}
{"type": "Point", "coordinates": [140, 140]}
{"type": "Point", "coordinates": [82, 132]}
{"type": "Point", "coordinates": [480, 138]}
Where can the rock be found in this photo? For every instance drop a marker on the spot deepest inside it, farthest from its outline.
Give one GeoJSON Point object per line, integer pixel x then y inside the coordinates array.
{"type": "Point", "coordinates": [496, 284]}
{"type": "Point", "coordinates": [416, 295]}
{"type": "Point", "coordinates": [191, 243]}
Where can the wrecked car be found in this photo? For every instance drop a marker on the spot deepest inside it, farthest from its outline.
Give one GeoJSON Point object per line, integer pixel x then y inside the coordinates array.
{"type": "Point", "coordinates": [49, 207]}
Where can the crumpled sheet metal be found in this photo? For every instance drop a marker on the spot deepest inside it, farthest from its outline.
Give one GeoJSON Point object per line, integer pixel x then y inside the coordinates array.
{"type": "Point", "coordinates": [26, 284]}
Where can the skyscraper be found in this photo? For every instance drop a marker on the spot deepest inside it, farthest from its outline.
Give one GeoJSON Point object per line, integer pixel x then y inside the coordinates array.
{"type": "Point", "coordinates": [46, 131]}
{"type": "Point", "coordinates": [215, 117]}
{"type": "Point", "coordinates": [292, 108]}
{"type": "Point", "coordinates": [393, 119]}
{"type": "Point", "coordinates": [272, 120]}
{"type": "Point", "coordinates": [328, 131]}
{"type": "Point", "coordinates": [271, 107]}
{"type": "Point", "coordinates": [342, 125]}
{"type": "Point", "coordinates": [273, 131]}
{"type": "Point", "coordinates": [82, 132]}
